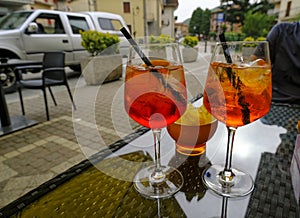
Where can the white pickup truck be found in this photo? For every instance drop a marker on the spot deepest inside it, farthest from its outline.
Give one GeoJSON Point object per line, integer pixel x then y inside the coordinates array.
{"type": "Point", "coordinates": [28, 34]}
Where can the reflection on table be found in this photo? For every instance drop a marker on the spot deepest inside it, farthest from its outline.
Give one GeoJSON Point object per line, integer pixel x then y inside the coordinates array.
{"type": "Point", "coordinates": [105, 187]}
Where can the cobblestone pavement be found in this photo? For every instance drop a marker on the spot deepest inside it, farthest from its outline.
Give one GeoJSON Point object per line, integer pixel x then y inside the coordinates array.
{"type": "Point", "coordinates": [34, 155]}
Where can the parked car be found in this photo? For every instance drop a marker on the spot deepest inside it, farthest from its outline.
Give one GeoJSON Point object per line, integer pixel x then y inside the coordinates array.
{"type": "Point", "coordinates": [111, 23]}
{"type": "Point", "coordinates": [28, 34]}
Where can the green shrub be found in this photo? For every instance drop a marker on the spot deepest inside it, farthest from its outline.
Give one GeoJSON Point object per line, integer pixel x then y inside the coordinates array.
{"type": "Point", "coordinates": [95, 42]}
{"type": "Point", "coordinates": [190, 41]}
{"type": "Point", "coordinates": [261, 38]}
{"type": "Point", "coordinates": [234, 36]}
{"type": "Point", "coordinates": [160, 39]}
{"type": "Point", "coordinates": [249, 39]}
{"type": "Point", "coordinates": [212, 34]}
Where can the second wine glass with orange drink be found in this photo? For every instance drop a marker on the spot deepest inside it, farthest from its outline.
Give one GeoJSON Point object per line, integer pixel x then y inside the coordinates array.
{"type": "Point", "coordinates": [238, 91]}
{"type": "Point", "coordinates": [155, 96]}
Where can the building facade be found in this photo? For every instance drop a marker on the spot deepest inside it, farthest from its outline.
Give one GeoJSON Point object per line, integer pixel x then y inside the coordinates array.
{"type": "Point", "coordinates": [284, 11]}
{"type": "Point", "coordinates": [181, 29]}
{"type": "Point", "coordinates": [7, 6]}
{"type": "Point", "coordinates": [148, 17]}
{"type": "Point", "coordinates": [168, 19]}
{"type": "Point", "coordinates": [143, 17]}
{"type": "Point", "coordinates": [289, 10]}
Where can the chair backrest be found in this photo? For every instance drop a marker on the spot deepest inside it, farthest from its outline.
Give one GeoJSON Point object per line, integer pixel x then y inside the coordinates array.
{"type": "Point", "coordinates": [54, 59]}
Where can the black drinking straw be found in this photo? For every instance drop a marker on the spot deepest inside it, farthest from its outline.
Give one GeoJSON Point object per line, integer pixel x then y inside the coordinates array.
{"type": "Point", "coordinates": [225, 48]}
{"type": "Point", "coordinates": [236, 82]}
{"type": "Point", "coordinates": [228, 58]}
{"type": "Point", "coordinates": [135, 46]}
{"type": "Point", "coordinates": [148, 63]}
{"type": "Point", "coordinates": [141, 54]}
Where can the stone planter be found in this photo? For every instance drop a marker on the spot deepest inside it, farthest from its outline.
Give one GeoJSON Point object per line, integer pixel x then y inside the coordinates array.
{"type": "Point", "coordinates": [159, 53]}
{"type": "Point", "coordinates": [100, 69]}
{"type": "Point", "coordinates": [212, 48]}
{"type": "Point", "coordinates": [189, 54]}
{"type": "Point", "coordinates": [247, 51]}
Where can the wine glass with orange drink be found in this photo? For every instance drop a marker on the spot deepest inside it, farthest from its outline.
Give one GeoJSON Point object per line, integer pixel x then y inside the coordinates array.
{"type": "Point", "coordinates": [155, 96]}
{"type": "Point", "coordinates": [237, 92]}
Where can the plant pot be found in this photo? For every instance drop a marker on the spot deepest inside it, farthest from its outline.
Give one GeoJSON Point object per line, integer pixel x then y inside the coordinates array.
{"type": "Point", "coordinates": [248, 51]}
{"type": "Point", "coordinates": [159, 53]}
{"type": "Point", "coordinates": [189, 54]}
{"type": "Point", "coordinates": [212, 48]}
{"type": "Point", "coordinates": [100, 69]}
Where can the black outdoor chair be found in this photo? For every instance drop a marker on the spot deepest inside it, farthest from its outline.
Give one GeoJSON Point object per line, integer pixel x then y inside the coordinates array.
{"type": "Point", "coordinates": [53, 74]}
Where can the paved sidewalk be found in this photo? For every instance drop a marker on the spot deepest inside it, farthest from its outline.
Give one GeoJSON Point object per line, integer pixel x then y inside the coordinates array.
{"type": "Point", "coordinates": [34, 155]}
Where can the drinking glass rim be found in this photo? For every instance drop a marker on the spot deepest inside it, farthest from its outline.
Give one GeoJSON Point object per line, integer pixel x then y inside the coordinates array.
{"type": "Point", "coordinates": [142, 44]}
{"type": "Point", "coordinates": [241, 42]}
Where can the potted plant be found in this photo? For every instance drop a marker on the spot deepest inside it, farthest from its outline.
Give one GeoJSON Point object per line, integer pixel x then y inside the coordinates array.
{"type": "Point", "coordinates": [248, 48]}
{"type": "Point", "coordinates": [159, 40]}
{"type": "Point", "coordinates": [213, 35]}
{"type": "Point", "coordinates": [104, 63]}
{"type": "Point", "coordinates": [261, 38]}
{"type": "Point", "coordinates": [162, 38]}
{"type": "Point", "coordinates": [189, 52]}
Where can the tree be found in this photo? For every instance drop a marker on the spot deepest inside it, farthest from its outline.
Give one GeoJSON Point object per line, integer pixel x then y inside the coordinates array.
{"type": "Point", "coordinates": [236, 10]}
{"type": "Point", "coordinates": [261, 6]}
{"type": "Point", "coordinates": [200, 22]}
{"type": "Point", "coordinates": [205, 22]}
{"type": "Point", "coordinates": [257, 24]}
{"type": "Point", "coordinates": [194, 25]}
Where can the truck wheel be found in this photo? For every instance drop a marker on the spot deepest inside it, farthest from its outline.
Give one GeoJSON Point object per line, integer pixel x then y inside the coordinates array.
{"type": "Point", "coordinates": [8, 80]}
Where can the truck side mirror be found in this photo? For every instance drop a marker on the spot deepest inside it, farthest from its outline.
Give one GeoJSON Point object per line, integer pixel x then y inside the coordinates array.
{"type": "Point", "coordinates": [32, 28]}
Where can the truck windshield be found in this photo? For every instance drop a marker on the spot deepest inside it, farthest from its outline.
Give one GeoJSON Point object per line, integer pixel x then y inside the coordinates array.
{"type": "Point", "coordinates": [13, 20]}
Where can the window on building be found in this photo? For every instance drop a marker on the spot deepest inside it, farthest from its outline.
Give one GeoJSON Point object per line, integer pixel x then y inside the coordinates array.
{"type": "Point", "coordinates": [288, 9]}
{"type": "Point", "coordinates": [129, 27]}
{"type": "Point", "coordinates": [126, 7]}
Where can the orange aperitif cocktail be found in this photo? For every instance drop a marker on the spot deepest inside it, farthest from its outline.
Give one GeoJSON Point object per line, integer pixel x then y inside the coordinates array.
{"type": "Point", "coordinates": [241, 97]}
{"type": "Point", "coordinates": [238, 91]}
{"type": "Point", "coordinates": [192, 130]}
{"type": "Point", "coordinates": [155, 96]}
{"type": "Point", "coordinates": [148, 101]}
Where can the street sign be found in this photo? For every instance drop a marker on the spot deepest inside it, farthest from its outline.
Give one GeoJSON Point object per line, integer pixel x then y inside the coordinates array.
{"type": "Point", "coordinates": [220, 17]}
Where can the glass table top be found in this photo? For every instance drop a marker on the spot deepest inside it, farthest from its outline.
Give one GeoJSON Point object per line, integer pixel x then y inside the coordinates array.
{"type": "Point", "coordinates": [103, 187]}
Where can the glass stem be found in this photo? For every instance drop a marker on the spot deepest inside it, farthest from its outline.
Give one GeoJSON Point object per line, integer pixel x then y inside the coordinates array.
{"type": "Point", "coordinates": [224, 207]}
{"type": "Point", "coordinates": [231, 134]}
{"type": "Point", "coordinates": [158, 208]}
{"type": "Point", "coordinates": [227, 176]}
{"type": "Point", "coordinates": [157, 174]}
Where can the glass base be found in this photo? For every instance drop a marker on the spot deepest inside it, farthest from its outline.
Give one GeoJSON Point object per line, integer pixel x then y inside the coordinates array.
{"type": "Point", "coordinates": [168, 185]}
{"type": "Point", "coordinates": [191, 150]}
{"type": "Point", "coordinates": [241, 185]}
